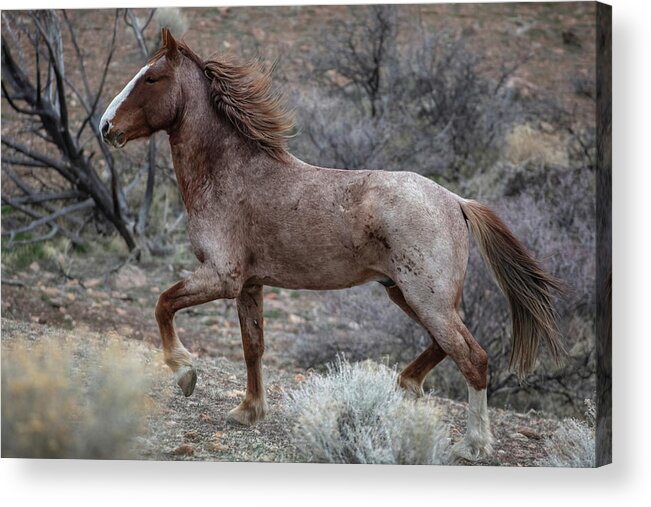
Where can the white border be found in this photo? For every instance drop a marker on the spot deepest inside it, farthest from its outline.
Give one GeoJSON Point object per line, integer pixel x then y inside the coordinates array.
{"type": "Point", "coordinates": [52, 483]}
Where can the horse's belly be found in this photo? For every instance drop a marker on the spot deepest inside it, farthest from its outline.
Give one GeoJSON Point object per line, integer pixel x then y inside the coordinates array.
{"type": "Point", "coordinates": [318, 272]}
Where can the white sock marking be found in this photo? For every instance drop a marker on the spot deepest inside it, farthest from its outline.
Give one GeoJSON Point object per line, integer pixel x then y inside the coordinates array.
{"type": "Point", "coordinates": [478, 439]}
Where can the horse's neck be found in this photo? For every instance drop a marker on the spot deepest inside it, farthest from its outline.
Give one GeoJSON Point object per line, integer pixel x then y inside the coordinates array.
{"type": "Point", "coordinates": [207, 152]}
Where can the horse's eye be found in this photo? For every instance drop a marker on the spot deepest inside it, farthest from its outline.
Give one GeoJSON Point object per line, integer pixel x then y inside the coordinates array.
{"type": "Point", "coordinates": [150, 80]}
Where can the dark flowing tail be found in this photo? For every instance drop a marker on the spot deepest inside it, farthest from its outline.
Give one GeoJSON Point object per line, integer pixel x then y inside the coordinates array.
{"type": "Point", "coordinates": [527, 286]}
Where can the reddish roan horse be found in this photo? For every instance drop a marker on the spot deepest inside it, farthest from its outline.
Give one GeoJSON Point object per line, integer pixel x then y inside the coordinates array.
{"type": "Point", "coordinates": [258, 216]}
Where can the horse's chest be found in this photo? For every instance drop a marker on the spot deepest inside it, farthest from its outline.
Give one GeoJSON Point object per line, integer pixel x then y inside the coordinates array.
{"type": "Point", "coordinates": [208, 240]}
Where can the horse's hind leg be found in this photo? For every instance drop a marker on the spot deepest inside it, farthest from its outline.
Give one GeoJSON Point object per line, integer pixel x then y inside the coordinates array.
{"type": "Point", "coordinates": [412, 377]}
{"type": "Point", "coordinates": [249, 309]}
{"type": "Point", "coordinates": [456, 341]}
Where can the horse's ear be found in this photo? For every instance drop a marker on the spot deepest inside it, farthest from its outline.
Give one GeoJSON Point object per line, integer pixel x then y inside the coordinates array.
{"type": "Point", "coordinates": [169, 43]}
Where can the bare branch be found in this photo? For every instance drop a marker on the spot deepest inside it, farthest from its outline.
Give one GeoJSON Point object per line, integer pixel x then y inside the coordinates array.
{"type": "Point", "coordinates": [39, 198]}
{"type": "Point", "coordinates": [54, 229]}
{"type": "Point", "coordinates": [87, 204]}
{"type": "Point", "coordinates": [132, 22]}
{"type": "Point", "coordinates": [80, 60]}
{"type": "Point", "coordinates": [74, 238]}
{"type": "Point", "coordinates": [149, 18]}
{"type": "Point", "coordinates": [39, 157]}
{"type": "Point", "coordinates": [24, 163]}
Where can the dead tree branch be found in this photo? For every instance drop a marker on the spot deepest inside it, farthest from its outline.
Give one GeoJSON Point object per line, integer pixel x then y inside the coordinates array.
{"type": "Point", "coordinates": [44, 99]}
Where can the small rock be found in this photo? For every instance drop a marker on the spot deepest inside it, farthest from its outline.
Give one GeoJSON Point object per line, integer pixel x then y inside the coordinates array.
{"type": "Point", "coordinates": [299, 377]}
{"type": "Point", "coordinates": [184, 450]}
{"type": "Point", "coordinates": [205, 418]}
{"type": "Point", "coordinates": [191, 435]}
{"type": "Point", "coordinates": [129, 277]}
{"type": "Point", "coordinates": [50, 291]}
{"type": "Point", "coordinates": [92, 282]}
{"type": "Point", "coordinates": [547, 127]}
{"type": "Point", "coordinates": [58, 303]}
{"type": "Point", "coordinates": [97, 294]}
{"type": "Point", "coordinates": [529, 433]}
{"type": "Point", "coordinates": [35, 267]}
{"type": "Point", "coordinates": [295, 319]}
{"type": "Point", "coordinates": [217, 447]}
{"type": "Point", "coordinates": [126, 330]}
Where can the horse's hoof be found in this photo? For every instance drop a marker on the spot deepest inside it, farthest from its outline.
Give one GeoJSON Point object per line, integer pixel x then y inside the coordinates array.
{"type": "Point", "coordinates": [187, 379]}
{"type": "Point", "coordinates": [472, 451]}
{"type": "Point", "coordinates": [247, 414]}
{"type": "Point", "coordinates": [412, 388]}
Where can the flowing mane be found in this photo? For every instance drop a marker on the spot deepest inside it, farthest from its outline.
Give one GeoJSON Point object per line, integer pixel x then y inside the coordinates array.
{"type": "Point", "coordinates": [243, 94]}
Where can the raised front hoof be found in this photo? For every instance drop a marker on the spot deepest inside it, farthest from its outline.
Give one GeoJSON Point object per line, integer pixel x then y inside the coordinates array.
{"type": "Point", "coordinates": [186, 379]}
{"type": "Point", "coordinates": [246, 414]}
{"type": "Point", "coordinates": [412, 388]}
{"type": "Point", "coordinates": [472, 450]}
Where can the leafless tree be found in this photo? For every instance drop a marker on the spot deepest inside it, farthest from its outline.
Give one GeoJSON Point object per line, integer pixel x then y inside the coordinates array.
{"type": "Point", "coordinates": [421, 104]}
{"type": "Point", "coordinates": [63, 175]}
{"type": "Point", "coordinates": [360, 50]}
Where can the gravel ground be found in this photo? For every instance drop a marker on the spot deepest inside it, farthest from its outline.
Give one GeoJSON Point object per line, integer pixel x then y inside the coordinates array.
{"type": "Point", "coordinates": [195, 428]}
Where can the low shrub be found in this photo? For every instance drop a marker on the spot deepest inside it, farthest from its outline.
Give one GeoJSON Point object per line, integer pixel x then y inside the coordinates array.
{"type": "Point", "coordinates": [357, 414]}
{"type": "Point", "coordinates": [573, 443]}
{"type": "Point", "coordinates": [63, 398]}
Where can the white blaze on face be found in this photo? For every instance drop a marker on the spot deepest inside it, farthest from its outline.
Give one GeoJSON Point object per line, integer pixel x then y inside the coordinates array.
{"type": "Point", "coordinates": [109, 114]}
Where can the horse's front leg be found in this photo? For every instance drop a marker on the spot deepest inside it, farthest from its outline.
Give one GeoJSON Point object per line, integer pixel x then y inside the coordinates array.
{"type": "Point", "coordinates": [249, 309]}
{"type": "Point", "coordinates": [202, 286]}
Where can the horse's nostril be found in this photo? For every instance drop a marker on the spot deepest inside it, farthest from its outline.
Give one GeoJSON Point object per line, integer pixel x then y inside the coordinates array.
{"type": "Point", "coordinates": [104, 129]}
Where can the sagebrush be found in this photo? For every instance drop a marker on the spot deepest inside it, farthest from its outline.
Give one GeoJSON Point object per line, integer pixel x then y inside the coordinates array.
{"type": "Point", "coordinates": [357, 414]}
{"type": "Point", "coordinates": [68, 398]}
{"type": "Point", "coordinates": [573, 443]}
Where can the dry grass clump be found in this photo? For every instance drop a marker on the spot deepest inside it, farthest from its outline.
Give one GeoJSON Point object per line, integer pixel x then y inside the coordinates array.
{"type": "Point", "coordinates": [573, 443]}
{"type": "Point", "coordinates": [525, 143]}
{"type": "Point", "coordinates": [357, 414]}
{"type": "Point", "coordinates": [172, 18]}
{"type": "Point", "coordinates": [63, 397]}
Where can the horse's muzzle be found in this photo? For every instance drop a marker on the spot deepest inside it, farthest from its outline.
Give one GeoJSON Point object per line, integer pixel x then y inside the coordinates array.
{"type": "Point", "coordinates": [112, 136]}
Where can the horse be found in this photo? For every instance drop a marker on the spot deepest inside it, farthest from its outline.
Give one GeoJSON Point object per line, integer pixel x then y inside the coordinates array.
{"type": "Point", "coordinates": [257, 215]}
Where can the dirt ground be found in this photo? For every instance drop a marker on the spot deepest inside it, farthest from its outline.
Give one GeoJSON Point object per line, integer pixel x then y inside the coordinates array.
{"type": "Point", "coordinates": [38, 302]}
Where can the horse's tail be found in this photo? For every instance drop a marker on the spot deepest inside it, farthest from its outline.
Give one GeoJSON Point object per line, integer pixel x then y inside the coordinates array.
{"type": "Point", "coordinates": [527, 286]}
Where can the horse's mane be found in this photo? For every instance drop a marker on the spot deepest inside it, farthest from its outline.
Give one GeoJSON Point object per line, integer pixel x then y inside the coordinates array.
{"type": "Point", "coordinates": [243, 94]}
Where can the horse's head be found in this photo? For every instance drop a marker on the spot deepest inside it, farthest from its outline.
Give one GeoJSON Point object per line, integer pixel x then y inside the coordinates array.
{"type": "Point", "coordinates": [149, 102]}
